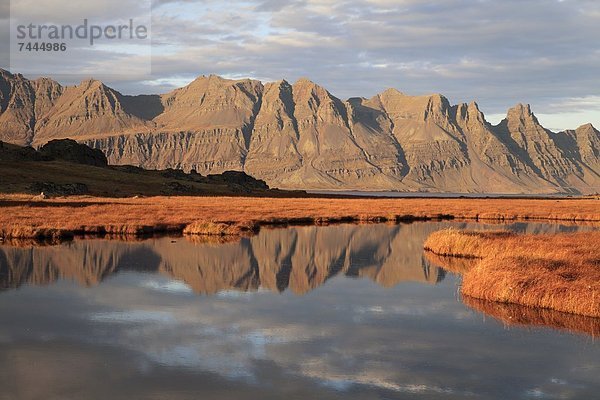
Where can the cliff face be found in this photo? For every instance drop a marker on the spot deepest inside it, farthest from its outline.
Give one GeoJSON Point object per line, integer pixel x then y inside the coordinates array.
{"type": "Point", "coordinates": [17, 109]}
{"type": "Point", "coordinates": [301, 136]}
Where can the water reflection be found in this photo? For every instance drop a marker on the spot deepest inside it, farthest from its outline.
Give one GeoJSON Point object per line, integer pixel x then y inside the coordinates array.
{"type": "Point", "coordinates": [145, 333]}
{"type": "Point", "coordinates": [517, 315]}
{"type": "Point", "coordinates": [299, 259]}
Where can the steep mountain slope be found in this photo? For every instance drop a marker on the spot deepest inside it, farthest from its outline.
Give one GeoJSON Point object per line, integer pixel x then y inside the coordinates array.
{"type": "Point", "coordinates": [90, 108]}
{"type": "Point", "coordinates": [540, 149]}
{"type": "Point", "coordinates": [273, 149]}
{"type": "Point", "coordinates": [17, 108]}
{"type": "Point", "coordinates": [205, 126]}
{"type": "Point", "coordinates": [47, 93]}
{"type": "Point", "coordinates": [582, 148]}
{"type": "Point", "coordinates": [494, 167]}
{"type": "Point", "coordinates": [434, 153]}
{"type": "Point", "coordinates": [301, 136]}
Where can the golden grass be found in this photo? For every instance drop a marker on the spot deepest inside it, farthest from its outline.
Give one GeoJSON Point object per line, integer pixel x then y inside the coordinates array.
{"type": "Point", "coordinates": [464, 244]}
{"type": "Point", "coordinates": [22, 217]}
{"type": "Point", "coordinates": [215, 228]}
{"type": "Point", "coordinates": [559, 272]}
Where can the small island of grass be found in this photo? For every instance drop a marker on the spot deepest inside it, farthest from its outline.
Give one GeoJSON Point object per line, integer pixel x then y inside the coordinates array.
{"type": "Point", "coordinates": [559, 272]}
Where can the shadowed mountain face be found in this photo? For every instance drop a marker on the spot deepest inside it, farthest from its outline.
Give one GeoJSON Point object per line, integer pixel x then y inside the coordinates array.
{"type": "Point", "coordinates": [297, 259]}
{"type": "Point", "coordinates": [300, 136]}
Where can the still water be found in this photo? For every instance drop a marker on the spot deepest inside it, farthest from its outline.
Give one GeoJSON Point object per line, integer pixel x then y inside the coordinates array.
{"type": "Point", "coordinates": [338, 312]}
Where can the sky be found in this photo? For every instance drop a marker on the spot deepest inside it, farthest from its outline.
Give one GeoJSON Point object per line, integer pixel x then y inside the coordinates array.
{"type": "Point", "coordinates": [498, 53]}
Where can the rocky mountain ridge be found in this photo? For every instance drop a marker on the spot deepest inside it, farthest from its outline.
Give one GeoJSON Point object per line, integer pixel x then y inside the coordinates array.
{"type": "Point", "coordinates": [300, 136]}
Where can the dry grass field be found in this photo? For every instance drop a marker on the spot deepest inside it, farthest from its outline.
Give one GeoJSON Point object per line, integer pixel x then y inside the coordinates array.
{"type": "Point", "coordinates": [559, 272]}
{"type": "Point", "coordinates": [21, 216]}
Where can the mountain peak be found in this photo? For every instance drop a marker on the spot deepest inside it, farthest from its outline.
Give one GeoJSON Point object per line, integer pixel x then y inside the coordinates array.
{"type": "Point", "coordinates": [473, 106]}
{"type": "Point", "coordinates": [439, 99]}
{"type": "Point", "coordinates": [521, 114]}
{"type": "Point", "coordinates": [304, 79]}
{"type": "Point", "coordinates": [280, 83]}
{"type": "Point", "coordinates": [305, 83]}
{"type": "Point", "coordinates": [392, 92]}
{"type": "Point", "coordinates": [91, 84]}
{"type": "Point", "coordinates": [212, 82]}
{"type": "Point", "coordinates": [211, 79]}
{"type": "Point", "coordinates": [306, 88]}
{"type": "Point", "coordinates": [5, 72]}
{"type": "Point", "coordinates": [11, 76]}
{"type": "Point", "coordinates": [587, 127]}
{"type": "Point", "coordinates": [520, 110]}
{"type": "Point", "coordinates": [44, 79]}
{"type": "Point", "coordinates": [470, 112]}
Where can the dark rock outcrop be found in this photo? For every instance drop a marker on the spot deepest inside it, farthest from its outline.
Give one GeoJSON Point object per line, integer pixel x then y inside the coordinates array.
{"type": "Point", "coordinates": [58, 189]}
{"type": "Point", "coordinates": [241, 179]}
{"type": "Point", "coordinates": [70, 150]}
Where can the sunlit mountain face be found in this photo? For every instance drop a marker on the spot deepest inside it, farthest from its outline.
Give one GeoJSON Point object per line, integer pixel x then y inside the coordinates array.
{"type": "Point", "coordinates": [300, 136]}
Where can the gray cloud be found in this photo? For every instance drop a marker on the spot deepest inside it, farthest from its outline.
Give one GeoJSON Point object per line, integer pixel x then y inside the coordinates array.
{"type": "Point", "coordinates": [497, 52]}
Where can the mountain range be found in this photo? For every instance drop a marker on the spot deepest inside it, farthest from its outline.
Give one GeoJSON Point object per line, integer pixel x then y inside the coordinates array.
{"type": "Point", "coordinates": [300, 136]}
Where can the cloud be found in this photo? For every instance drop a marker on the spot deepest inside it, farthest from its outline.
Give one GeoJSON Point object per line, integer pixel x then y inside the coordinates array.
{"type": "Point", "coordinates": [496, 52]}
{"type": "Point", "coordinates": [69, 12]}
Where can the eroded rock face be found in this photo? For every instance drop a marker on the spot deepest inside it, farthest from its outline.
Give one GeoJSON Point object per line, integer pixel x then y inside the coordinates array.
{"type": "Point", "coordinates": [582, 147]}
{"type": "Point", "coordinates": [17, 109]}
{"type": "Point", "coordinates": [537, 147]}
{"type": "Point", "coordinates": [275, 135]}
{"type": "Point", "coordinates": [88, 109]}
{"type": "Point", "coordinates": [300, 136]}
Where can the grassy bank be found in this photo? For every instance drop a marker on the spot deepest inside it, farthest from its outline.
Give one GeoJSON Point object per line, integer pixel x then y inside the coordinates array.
{"type": "Point", "coordinates": [559, 272]}
{"type": "Point", "coordinates": [22, 217]}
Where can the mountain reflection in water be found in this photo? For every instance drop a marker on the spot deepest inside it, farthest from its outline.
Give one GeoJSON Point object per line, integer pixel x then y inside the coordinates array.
{"type": "Point", "coordinates": [299, 259]}
{"type": "Point", "coordinates": [100, 319]}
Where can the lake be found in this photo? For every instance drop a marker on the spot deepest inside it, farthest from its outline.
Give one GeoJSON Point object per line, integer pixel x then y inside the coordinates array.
{"type": "Point", "coordinates": [436, 195]}
{"type": "Point", "coordinates": [333, 312]}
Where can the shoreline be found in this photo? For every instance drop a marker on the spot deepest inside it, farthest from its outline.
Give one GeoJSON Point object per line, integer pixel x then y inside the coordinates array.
{"type": "Point", "coordinates": [361, 194]}
{"type": "Point", "coordinates": [24, 217]}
